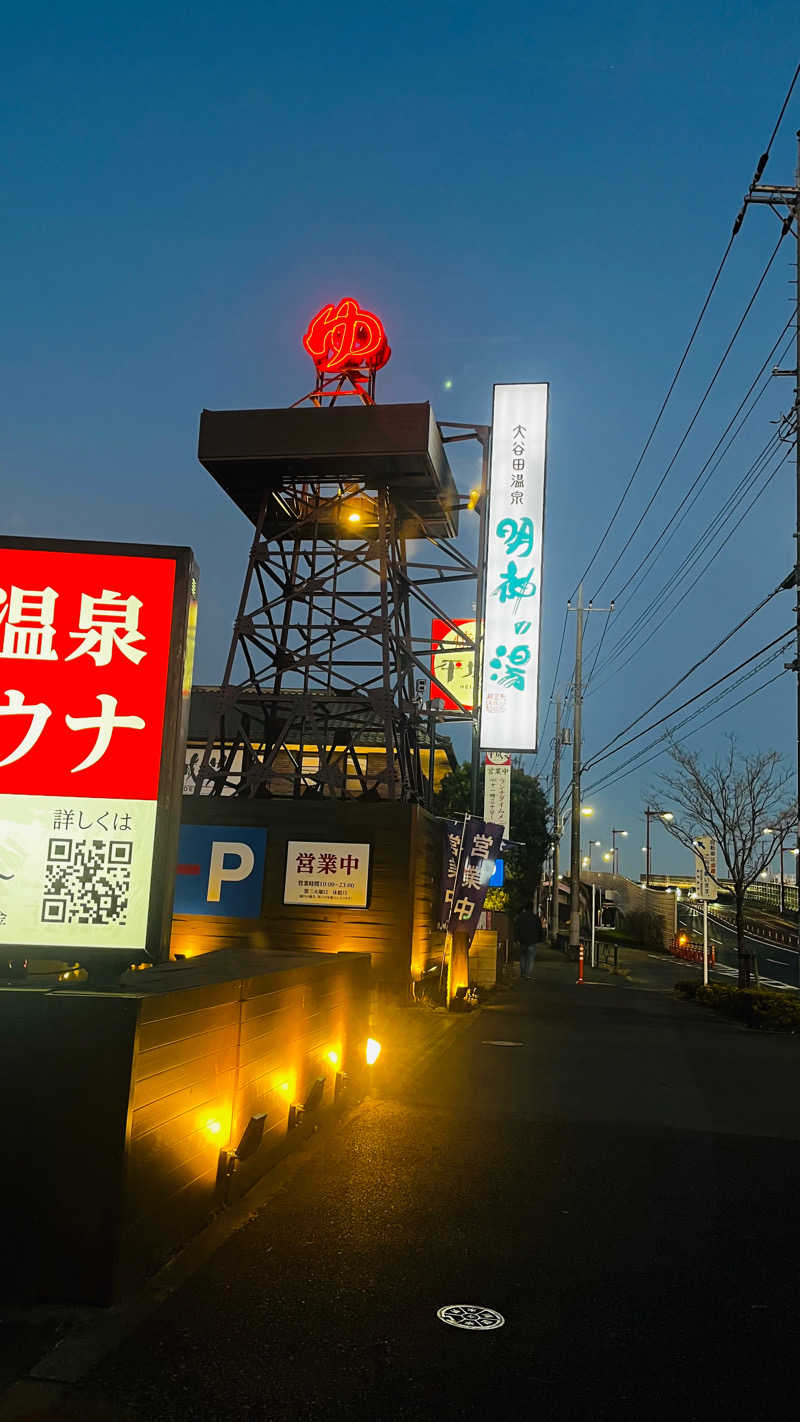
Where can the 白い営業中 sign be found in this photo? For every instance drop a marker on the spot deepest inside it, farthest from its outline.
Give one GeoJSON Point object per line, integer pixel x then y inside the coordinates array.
{"type": "Point", "coordinates": [510, 664]}
{"type": "Point", "coordinates": [326, 872]}
{"type": "Point", "coordinates": [95, 641]}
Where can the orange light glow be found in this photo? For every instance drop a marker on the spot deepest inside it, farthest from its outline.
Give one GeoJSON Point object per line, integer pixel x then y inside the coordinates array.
{"type": "Point", "coordinates": [333, 1058]}
{"type": "Point", "coordinates": [373, 1051]}
{"type": "Point", "coordinates": [213, 1127]}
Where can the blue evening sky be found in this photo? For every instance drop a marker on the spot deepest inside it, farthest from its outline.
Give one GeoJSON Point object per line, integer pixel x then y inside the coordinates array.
{"type": "Point", "coordinates": [523, 192]}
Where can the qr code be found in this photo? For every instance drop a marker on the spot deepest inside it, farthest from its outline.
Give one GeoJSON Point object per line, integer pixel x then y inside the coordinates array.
{"type": "Point", "coordinates": [87, 881]}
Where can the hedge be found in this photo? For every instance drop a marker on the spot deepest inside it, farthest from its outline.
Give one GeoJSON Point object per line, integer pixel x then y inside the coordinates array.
{"type": "Point", "coordinates": [757, 1007]}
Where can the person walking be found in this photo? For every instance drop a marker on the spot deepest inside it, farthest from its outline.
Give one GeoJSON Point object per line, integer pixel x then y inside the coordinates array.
{"type": "Point", "coordinates": [528, 932]}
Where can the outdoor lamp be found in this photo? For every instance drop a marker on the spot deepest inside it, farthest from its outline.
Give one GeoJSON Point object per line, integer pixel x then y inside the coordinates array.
{"type": "Point", "coordinates": [374, 1048]}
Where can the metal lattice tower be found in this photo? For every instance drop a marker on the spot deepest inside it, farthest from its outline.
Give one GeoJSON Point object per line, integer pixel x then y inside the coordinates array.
{"type": "Point", "coordinates": [356, 514]}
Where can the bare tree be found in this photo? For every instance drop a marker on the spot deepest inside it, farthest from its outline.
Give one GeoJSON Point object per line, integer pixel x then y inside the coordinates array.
{"type": "Point", "coordinates": [740, 801]}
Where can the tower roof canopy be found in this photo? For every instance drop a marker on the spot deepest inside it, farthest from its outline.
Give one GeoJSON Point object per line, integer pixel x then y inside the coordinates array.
{"type": "Point", "coordinates": [253, 452]}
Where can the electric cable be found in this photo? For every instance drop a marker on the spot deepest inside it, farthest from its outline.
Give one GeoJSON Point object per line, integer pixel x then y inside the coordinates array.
{"type": "Point", "coordinates": [760, 166]}
{"type": "Point", "coordinates": [614, 778]}
{"type": "Point", "coordinates": [681, 508]}
{"type": "Point", "coordinates": [635, 759]}
{"type": "Point", "coordinates": [595, 760]}
{"type": "Point", "coordinates": [710, 386]}
{"type": "Point", "coordinates": [780, 588]}
{"type": "Point", "coordinates": [644, 615]}
{"type": "Point", "coordinates": [703, 542]}
{"type": "Point", "coordinates": [542, 739]}
{"type": "Point", "coordinates": [588, 681]}
{"type": "Point", "coordinates": [608, 777]}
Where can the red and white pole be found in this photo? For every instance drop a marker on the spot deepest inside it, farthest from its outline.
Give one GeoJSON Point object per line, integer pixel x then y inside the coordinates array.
{"type": "Point", "coordinates": [580, 964]}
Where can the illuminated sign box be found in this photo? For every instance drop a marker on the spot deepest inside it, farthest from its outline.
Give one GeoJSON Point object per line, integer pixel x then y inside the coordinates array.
{"type": "Point", "coordinates": [220, 870]}
{"type": "Point", "coordinates": [95, 652]}
{"type": "Point", "coordinates": [327, 872]}
{"type": "Point", "coordinates": [510, 666]}
{"type": "Point", "coordinates": [453, 663]}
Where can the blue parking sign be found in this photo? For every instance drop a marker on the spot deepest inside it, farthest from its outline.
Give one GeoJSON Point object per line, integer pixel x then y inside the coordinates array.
{"type": "Point", "coordinates": [220, 870]}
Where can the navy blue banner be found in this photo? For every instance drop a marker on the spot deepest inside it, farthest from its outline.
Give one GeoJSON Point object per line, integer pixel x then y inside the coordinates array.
{"type": "Point", "coordinates": [471, 849]}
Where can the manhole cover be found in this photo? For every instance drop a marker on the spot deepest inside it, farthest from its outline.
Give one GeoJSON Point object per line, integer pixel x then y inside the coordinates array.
{"type": "Point", "coordinates": [470, 1316]}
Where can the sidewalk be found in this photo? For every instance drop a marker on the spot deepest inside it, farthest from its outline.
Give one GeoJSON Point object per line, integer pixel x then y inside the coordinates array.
{"type": "Point", "coordinates": [608, 1168]}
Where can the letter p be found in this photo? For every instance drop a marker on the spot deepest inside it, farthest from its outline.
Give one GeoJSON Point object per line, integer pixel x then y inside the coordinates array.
{"type": "Point", "coordinates": [218, 874]}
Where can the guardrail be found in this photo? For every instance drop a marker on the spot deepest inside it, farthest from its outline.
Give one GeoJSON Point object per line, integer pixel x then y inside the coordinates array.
{"type": "Point", "coordinates": [784, 936]}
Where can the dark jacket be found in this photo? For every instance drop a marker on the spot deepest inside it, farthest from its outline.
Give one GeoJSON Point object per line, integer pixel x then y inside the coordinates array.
{"type": "Point", "coordinates": [528, 927]}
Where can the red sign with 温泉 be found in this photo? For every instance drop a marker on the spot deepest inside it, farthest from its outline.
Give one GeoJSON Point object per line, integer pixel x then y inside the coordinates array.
{"type": "Point", "coordinates": [86, 639]}
{"type": "Point", "coordinates": [84, 652]}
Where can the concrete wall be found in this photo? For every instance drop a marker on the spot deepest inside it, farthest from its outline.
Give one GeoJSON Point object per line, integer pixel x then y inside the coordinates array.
{"type": "Point", "coordinates": [632, 899]}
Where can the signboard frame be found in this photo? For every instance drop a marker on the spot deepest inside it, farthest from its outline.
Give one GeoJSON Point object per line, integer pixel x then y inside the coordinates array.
{"type": "Point", "coordinates": [174, 728]}
{"type": "Point", "coordinates": [516, 558]}
{"type": "Point", "coordinates": [328, 844]}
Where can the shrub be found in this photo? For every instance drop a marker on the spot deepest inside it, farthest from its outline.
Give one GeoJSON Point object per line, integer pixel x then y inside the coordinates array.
{"type": "Point", "coordinates": [757, 1007]}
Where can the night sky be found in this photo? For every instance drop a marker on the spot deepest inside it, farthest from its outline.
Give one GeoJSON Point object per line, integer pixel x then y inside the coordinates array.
{"type": "Point", "coordinates": [523, 192]}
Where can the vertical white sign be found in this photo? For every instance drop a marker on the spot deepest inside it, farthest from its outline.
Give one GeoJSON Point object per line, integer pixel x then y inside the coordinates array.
{"type": "Point", "coordinates": [497, 789]}
{"type": "Point", "coordinates": [705, 864]}
{"type": "Point", "coordinates": [513, 599]}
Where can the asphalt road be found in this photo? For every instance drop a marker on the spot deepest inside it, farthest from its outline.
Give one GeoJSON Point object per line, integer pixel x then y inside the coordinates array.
{"type": "Point", "coordinates": [777, 966]}
{"type": "Point", "coordinates": [613, 1171]}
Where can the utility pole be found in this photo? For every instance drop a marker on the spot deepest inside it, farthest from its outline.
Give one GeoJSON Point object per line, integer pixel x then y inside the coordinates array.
{"type": "Point", "coordinates": [575, 841]}
{"type": "Point", "coordinates": [788, 197]}
{"type": "Point", "coordinates": [575, 838]}
{"type": "Point", "coordinates": [556, 823]}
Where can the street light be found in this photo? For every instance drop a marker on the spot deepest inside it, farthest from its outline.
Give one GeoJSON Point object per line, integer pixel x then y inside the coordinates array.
{"type": "Point", "coordinates": [587, 810]}
{"type": "Point", "coordinates": [608, 857]}
{"type": "Point", "coordinates": [781, 852]}
{"type": "Point", "coordinates": [592, 843]}
{"type": "Point", "coordinates": [648, 816]}
{"type": "Point", "coordinates": [614, 851]}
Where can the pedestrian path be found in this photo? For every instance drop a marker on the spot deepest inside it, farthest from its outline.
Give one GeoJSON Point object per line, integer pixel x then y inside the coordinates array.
{"type": "Point", "coordinates": [606, 1168]}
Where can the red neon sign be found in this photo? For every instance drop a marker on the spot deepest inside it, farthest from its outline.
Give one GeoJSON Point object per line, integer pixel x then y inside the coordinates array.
{"type": "Point", "coordinates": [344, 338]}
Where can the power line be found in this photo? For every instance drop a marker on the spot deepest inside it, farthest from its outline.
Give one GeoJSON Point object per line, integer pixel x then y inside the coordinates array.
{"type": "Point", "coordinates": [660, 722]}
{"type": "Point", "coordinates": [597, 653]}
{"type": "Point", "coordinates": [761, 165]}
{"type": "Point", "coordinates": [712, 382]}
{"type": "Point", "coordinates": [682, 505]}
{"type": "Point", "coordinates": [613, 778]}
{"type": "Point", "coordinates": [633, 761]}
{"type": "Point", "coordinates": [687, 505]}
{"type": "Point", "coordinates": [555, 679]}
{"type": "Point", "coordinates": [788, 582]}
{"type": "Point", "coordinates": [713, 527]}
